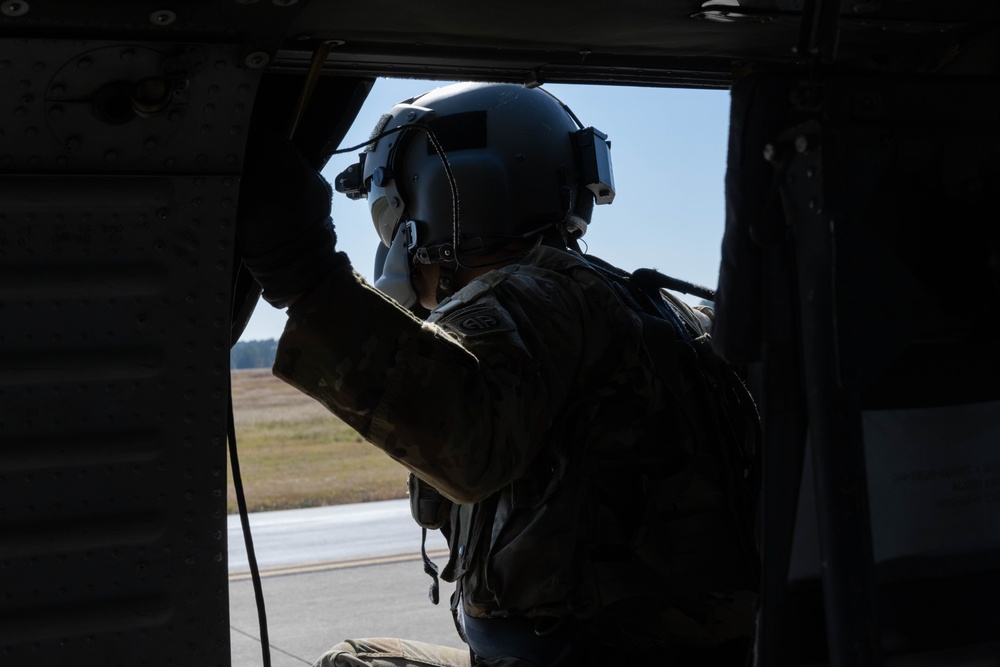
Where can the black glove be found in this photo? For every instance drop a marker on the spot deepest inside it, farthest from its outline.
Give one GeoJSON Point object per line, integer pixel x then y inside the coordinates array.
{"type": "Point", "coordinates": [283, 228]}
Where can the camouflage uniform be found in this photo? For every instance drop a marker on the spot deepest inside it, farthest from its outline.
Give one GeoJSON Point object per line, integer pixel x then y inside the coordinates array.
{"type": "Point", "coordinates": [528, 400]}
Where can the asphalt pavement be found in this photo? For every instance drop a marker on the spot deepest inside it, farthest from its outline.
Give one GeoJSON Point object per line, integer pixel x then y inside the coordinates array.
{"type": "Point", "coordinates": [334, 573]}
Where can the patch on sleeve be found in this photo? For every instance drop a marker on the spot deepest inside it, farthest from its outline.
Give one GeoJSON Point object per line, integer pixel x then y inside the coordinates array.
{"type": "Point", "coordinates": [477, 321]}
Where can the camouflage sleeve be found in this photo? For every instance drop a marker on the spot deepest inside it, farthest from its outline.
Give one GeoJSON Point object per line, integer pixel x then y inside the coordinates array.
{"type": "Point", "coordinates": [465, 403]}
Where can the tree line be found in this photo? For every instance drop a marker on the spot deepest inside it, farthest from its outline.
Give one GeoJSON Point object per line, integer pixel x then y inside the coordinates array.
{"type": "Point", "coordinates": [253, 354]}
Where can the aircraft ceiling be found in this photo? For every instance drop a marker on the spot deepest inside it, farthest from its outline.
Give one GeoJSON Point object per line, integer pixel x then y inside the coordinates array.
{"type": "Point", "coordinates": [690, 43]}
{"type": "Point", "coordinates": [667, 42]}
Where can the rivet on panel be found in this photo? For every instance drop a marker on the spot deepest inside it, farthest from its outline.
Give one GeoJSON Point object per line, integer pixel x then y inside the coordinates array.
{"type": "Point", "coordinates": [15, 8]}
{"type": "Point", "coordinates": [162, 17]}
{"type": "Point", "coordinates": [257, 59]}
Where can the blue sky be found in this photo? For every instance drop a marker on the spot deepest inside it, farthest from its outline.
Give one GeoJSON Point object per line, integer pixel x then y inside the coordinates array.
{"type": "Point", "coordinates": [669, 156]}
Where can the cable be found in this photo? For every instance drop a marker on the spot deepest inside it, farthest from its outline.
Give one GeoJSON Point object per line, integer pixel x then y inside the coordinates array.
{"type": "Point", "coordinates": [241, 501]}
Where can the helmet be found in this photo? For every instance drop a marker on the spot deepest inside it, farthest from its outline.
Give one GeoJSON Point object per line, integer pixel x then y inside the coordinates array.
{"type": "Point", "coordinates": [467, 168]}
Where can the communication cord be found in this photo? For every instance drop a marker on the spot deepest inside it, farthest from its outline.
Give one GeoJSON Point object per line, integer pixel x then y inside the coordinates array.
{"type": "Point", "coordinates": [241, 501]}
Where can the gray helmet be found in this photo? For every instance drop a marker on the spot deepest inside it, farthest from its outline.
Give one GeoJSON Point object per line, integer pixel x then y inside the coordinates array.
{"type": "Point", "coordinates": [477, 165]}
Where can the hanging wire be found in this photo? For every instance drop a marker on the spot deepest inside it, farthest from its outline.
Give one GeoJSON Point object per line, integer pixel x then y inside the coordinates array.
{"type": "Point", "coordinates": [241, 501]}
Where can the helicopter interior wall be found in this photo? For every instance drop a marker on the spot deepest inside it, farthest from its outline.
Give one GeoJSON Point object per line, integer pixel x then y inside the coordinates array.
{"type": "Point", "coordinates": [864, 210]}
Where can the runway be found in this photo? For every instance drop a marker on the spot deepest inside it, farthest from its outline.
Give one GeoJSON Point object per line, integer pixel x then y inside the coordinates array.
{"type": "Point", "coordinates": [333, 573]}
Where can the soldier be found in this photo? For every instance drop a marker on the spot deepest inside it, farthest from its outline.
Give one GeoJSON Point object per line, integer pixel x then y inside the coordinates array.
{"type": "Point", "coordinates": [581, 525]}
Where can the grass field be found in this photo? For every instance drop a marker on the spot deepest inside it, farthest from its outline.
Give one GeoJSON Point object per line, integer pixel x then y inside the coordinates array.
{"type": "Point", "coordinates": [294, 453]}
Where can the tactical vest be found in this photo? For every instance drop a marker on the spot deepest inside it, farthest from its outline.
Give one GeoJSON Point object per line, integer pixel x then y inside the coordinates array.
{"type": "Point", "coordinates": [688, 526]}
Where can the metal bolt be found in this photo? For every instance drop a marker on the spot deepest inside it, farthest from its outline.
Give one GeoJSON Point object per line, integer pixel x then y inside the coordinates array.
{"type": "Point", "coordinates": [257, 59]}
{"type": "Point", "coordinates": [162, 17]}
{"type": "Point", "coordinates": [14, 8]}
{"type": "Point", "coordinates": [412, 115]}
{"type": "Point", "coordinates": [770, 152]}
